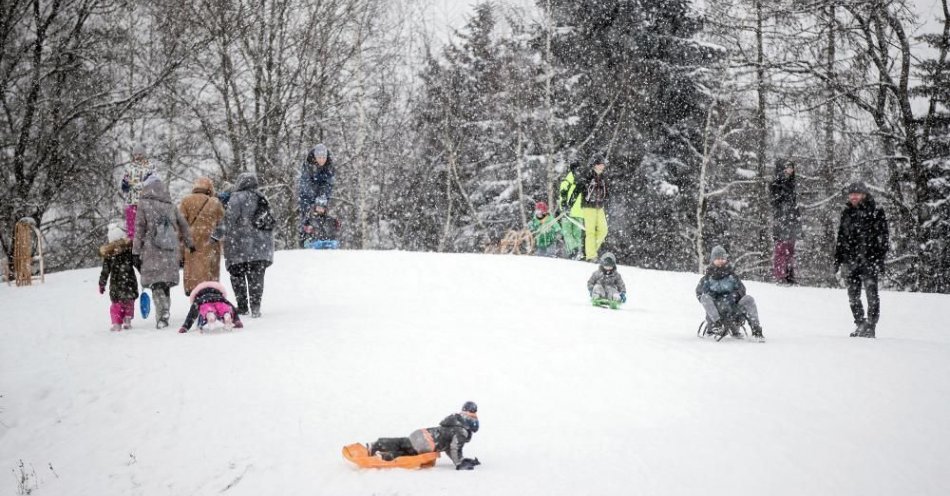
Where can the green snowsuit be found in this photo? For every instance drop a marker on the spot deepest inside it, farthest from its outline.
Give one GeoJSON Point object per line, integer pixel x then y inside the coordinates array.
{"type": "Point", "coordinates": [573, 220]}
{"type": "Point", "coordinates": [545, 231]}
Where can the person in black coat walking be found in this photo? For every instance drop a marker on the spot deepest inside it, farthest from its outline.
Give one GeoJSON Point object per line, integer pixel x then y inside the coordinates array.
{"type": "Point", "coordinates": [859, 255]}
{"type": "Point", "coordinates": [449, 437]}
{"type": "Point", "coordinates": [786, 221]}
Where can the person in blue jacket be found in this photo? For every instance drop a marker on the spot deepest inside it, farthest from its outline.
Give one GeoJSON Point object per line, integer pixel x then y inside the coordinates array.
{"type": "Point", "coordinates": [316, 181]}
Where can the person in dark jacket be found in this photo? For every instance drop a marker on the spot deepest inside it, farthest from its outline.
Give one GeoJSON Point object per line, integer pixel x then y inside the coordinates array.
{"type": "Point", "coordinates": [209, 304]}
{"type": "Point", "coordinates": [605, 282]}
{"type": "Point", "coordinates": [449, 437]}
{"type": "Point", "coordinates": [720, 290]}
{"type": "Point", "coordinates": [594, 194]}
{"type": "Point", "coordinates": [316, 181]}
{"type": "Point", "coordinates": [320, 231]}
{"type": "Point", "coordinates": [786, 221]}
{"type": "Point", "coordinates": [117, 271]}
{"type": "Point", "coordinates": [860, 253]}
{"type": "Point", "coordinates": [248, 250]}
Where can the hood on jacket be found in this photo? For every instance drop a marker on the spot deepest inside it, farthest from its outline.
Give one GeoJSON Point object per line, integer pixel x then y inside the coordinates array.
{"type": "Point", "coordinates": [115, 247]}
{"type": "Point", "coordinates": [859, 187]}
{"type": "Point", "coordinates": [154, 189]}
{"type": "Point", "coordinates": [318, 151]}
{"type": "Point", "coordinates": [203, 185]}
{"type": "Point", "coordinates": [246, 181]}
{"type": "Point", "coordinates": [207, 285]}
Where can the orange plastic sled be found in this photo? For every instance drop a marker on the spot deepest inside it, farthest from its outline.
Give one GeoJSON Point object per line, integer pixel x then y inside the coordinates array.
{"type": "Point", "coordinates": [357, 454]}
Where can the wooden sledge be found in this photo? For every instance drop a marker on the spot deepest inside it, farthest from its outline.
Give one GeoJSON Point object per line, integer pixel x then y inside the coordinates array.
{"type": "Point", "coordinates": [357, 454]}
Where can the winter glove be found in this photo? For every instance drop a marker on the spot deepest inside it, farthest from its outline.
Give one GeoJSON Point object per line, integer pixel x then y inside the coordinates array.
{"type": "Point", "coordinates": [182, 330]}
{"type": "Point", "coordinates": [102, 289]}
{"type": "Point", "coordinates": [623, 297]}
{"type": "Point", "coordinates": [467, 464]}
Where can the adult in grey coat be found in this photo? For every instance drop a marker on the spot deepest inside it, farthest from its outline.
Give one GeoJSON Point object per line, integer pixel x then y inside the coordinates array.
{"type": "Point", "coordinates": [248, 251]}
{"type": "Point", "coordinates": [160, 229]}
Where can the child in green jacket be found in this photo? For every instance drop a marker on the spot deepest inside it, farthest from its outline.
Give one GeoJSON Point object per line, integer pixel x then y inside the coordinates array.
{"type": "Point", "coordinates": [545, 230]}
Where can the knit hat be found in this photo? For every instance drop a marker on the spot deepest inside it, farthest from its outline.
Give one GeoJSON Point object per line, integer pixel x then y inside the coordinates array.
{"type": "Point", "coordinates": [320, 150]}
{"type": "Point", "coordinates": [718, 252]}
{"type": "Point", "coordinates": [138, 150]}
{"type": "Point", "coordinates": [115, 232]}
{"type": "Point", "coordinates": [857, 187]}
{"type": "Point", "coordinates": [608, 260]}
{"type": "Point", "coordinates": [541, 208]}
{"type": "Point", "coordinates": [203, 184]}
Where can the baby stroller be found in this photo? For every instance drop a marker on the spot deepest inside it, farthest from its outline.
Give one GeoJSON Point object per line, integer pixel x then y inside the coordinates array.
{"type": "Point", "coordinates": [732, 322]}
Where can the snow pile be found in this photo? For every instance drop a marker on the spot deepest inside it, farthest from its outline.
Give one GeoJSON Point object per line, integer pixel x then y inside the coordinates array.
{"type": "Point", "coordinates": [572, 399]}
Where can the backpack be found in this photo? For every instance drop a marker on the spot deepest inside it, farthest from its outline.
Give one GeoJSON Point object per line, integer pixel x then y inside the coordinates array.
{"type": "Point", "coordinates": [165, 235]}
{"type": "Point", "coordinates": [262, 218]}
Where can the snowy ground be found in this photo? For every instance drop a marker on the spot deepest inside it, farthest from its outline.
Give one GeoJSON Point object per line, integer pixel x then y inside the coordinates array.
{"type": "Point", "coordinates": [573, 399]}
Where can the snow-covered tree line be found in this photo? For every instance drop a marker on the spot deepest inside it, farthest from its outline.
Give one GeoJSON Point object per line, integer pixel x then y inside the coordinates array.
{"type": "Point", "coordinates": [445, 147]}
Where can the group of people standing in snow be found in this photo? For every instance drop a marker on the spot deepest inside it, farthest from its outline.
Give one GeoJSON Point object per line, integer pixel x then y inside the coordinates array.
{"type": "Point", "coordinates": [582, 223]}
{"type": "Point", "coordinates": [160, 238]}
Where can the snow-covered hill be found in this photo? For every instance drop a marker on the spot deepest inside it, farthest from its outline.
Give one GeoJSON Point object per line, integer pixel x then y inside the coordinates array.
{"type": "Point", "coordinates": [573, 399]}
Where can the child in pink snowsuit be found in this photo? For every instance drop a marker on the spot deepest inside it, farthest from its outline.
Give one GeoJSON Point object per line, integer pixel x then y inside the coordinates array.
{"type": "Point", "coordinates": [209, 303]}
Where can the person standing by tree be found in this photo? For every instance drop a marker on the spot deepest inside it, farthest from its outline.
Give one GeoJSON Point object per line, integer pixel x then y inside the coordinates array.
{"type": "Point", "coordinates": [594, 194]}
{"type": "Point", "coordinates": [572, 215]}
{"type": "Point", "coordinates": [248, 246]}
{"type": "Point", "coordinates": [136, 172]}
{"type": "Point", "coordinates": [786, 221]}
{"type": "Point", "coordinates": [316, 182]}
{"type": "Point", "coordinates": [203, 211]}
{"type": "Point", "coordinates": [859, 255]}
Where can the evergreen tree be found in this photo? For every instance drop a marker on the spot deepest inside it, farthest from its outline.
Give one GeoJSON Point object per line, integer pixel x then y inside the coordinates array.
{"type": "Point", "coordinates": [639, 101]}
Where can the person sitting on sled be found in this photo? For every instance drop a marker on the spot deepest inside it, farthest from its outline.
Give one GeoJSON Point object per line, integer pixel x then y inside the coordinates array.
{"type": "Point", "coordinates": [209, 303]}
{"type": "Point", "coordinates": [449, 437]}
{"type": "Point", "coordinates": [720, 290]}
{"type": "Point", "coordinates": [606, 283]}
{"type": "Point", "coordinates": [320, 231]}
{"type": "Point", "coordinates": [546, 231]}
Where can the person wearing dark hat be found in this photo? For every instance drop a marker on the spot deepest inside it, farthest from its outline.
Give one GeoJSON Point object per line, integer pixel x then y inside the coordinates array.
{"type": "Point", "coordinates": [720, 290]}
{"type": "Point", "coordinates": [316, 181]}
{"type": "Point", "coordinates": [860, 252]}
{"type": "Point", "coordinates": [594, 193]}
{"type": "Point", "coordinates": [449, 437]}
{"type": "Point", "coordinates": [786, 221]}
{"type": "Point", "coordinates": [545, 230]}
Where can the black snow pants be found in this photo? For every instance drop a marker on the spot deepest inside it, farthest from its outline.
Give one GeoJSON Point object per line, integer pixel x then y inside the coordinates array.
{"type": "Point", "coordinates": [867, 277]}
{"type": "Point", "coordinates": [398, 446]}
{"type": "Point", "coordinates": [247, 280]}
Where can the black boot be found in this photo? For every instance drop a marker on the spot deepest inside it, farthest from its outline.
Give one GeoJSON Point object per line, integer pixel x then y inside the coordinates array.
{"type": "Point", "coordinates": [859, 330]}
{"type": "Point", "coordinates": [868, 330]}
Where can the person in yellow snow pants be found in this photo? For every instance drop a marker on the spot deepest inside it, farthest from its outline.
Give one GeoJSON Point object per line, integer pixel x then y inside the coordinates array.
{"type": "Point", "coordinates": [595, 225]}
{"type": "Point", "coordinates": [594, 194]}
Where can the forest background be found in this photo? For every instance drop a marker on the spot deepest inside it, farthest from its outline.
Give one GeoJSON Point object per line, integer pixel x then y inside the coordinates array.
{"type": "Point", "coordinates": [444, 139]}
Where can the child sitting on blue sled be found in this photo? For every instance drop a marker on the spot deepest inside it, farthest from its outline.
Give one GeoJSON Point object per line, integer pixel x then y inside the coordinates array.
{"type": "Point", "coordinates": [605, 286]}
{"type": "Point", "coordinates": [320, 231]}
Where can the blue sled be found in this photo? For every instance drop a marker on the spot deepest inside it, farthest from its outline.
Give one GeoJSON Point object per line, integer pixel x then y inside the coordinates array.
{"type": "Point", "coordinates": [325, 244]}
